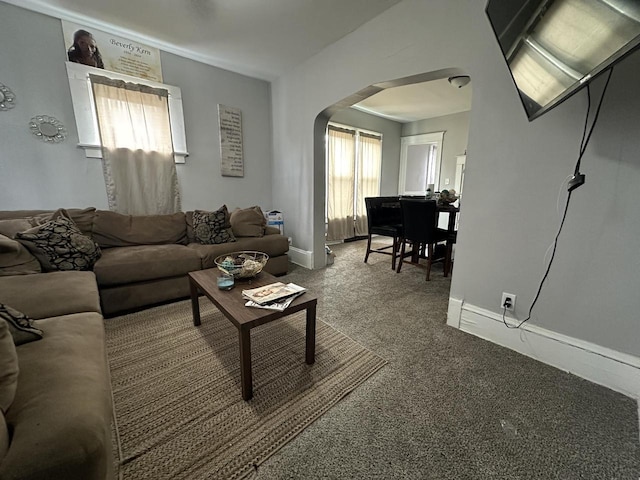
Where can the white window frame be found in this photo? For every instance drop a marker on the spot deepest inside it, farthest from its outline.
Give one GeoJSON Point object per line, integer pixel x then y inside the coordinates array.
{"type": "Point", "coordinates": [436, 139]}
{"type": "Point", "coordinates": [85, 111]}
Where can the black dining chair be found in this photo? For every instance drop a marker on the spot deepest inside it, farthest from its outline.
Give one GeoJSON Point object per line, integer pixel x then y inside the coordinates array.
{"type": "Point", "coordinates": [384, 218]}
{"type": "Point", "coordinates": [419, 229]}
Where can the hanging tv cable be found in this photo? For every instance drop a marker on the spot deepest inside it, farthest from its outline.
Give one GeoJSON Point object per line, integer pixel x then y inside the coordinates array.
{"type": "Point", "coordinates": [576, 180]}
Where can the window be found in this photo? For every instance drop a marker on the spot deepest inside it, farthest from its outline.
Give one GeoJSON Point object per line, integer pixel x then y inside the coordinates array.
{"type": "Point", "coordinates": [137, 150]}
{"type": "Point", "coordinates": [86, 117]}
{"type": "Point", "coordinates": [420, 163]}
{"type": "Point", "coordinates": [354, 161]}
{"type": "Point", "coordinates": [131, 115]}
{"type": "Point", "coordinates": [136, 127]}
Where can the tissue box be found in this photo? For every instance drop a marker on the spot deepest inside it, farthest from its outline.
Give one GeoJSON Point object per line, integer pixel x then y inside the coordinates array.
{"type": "Point", "coordinates": [275, 219]}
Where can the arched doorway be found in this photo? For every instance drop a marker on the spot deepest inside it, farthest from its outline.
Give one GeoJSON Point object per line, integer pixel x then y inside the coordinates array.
{"type": "Point", "coordinates": [319, 150]}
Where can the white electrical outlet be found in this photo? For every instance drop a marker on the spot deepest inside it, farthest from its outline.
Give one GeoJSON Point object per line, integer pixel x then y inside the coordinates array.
{"type": "Point", "coordinates": [512, 301]}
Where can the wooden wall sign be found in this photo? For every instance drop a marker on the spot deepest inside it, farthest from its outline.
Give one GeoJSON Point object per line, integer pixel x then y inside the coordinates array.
{"type": "Point", "coordinates": [231, 157]}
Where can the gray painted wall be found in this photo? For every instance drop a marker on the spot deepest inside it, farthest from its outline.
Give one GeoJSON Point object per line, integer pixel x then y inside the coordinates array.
{"type": "Point", "coordinates": [514, 172]}
{"type": "Point", "coordinates": [456, 128]}
{"type": "Point", "coordinates": [39, 175]}
{"type": "Point", "coordinates": [390, 143]}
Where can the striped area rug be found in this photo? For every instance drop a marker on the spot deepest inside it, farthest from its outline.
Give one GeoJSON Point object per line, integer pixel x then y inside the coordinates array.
{"type": "Point", "coordinates": [178, 408]}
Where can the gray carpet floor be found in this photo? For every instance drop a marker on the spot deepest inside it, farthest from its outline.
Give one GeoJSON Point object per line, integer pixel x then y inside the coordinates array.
{"type": "Point", "coordinates": [448, 405]}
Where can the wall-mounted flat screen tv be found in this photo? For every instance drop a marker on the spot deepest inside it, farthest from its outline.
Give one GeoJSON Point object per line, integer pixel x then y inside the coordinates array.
{"type": "Point", "coordinates": [555, 47]}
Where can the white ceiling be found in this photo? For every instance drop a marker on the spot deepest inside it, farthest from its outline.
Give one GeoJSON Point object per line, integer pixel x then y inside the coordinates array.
{"type": "Point", "coordinates": [418, 101]}
{"type": "Point", "coordinates": [259, 38]}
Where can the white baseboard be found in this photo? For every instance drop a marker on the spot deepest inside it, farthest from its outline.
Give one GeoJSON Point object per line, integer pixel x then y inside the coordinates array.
{"type": "Point", "coordinates": [454, 313]}
{"type": "Point", "coordinates": [301, 257]}
{"type": "Point", "coordinates": [615, 370]}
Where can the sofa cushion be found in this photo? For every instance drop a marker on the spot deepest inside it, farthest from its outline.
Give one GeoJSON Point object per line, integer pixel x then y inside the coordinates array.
{"type": "Point", "coordinates": [51, 294]}
{"type": "Point", "coordinates": [125, 265]}
{"type": "Point", "coordinates": [188, 216]}
{"type": "Point", "coordinates": [20, 325]}
{"type": "Point", "coordinates": [8, 370]}
{"type": "Point", "coordinates": [10, 227]}
{"type": "Point", "coordinates": [11, 214]}
{"type": "Point", "coordinates": [212, 228]}
{"type": "Point", "coordinates": [4, 436]}
{"type": "Point", "coordinates": [248, 222]}
{"type": "Point", "coordinates": [82, 217]}
{"type": "Point", "coordinates": [271, 230]}
{"type": "Point", "coordinates": [59, 245]}
{"type": "Point", "coordinates": [111, 229]}
{"type": "Point", "coordinates": [121, 298]}
{"type": "Point", "coordinates": [272, 245]}
{"type": "Point", "coordinates": [60, 417]}
{"type": "Point", "coordinates": [15, 259]}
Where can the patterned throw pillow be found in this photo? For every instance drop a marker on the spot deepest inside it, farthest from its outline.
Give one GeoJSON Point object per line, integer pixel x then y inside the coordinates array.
{"type": "Point", "coordinates": [20, 326]}
{"type": "Point", "coordinates": [212, 227]}
{"type": "Point", "coordinates": [59, 245]}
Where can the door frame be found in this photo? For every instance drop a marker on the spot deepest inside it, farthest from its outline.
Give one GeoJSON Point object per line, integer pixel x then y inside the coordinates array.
{"type": "Point", "coordinates": [436, 138]}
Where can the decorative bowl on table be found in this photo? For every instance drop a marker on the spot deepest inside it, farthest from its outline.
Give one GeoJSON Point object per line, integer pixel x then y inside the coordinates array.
{"type": "Point", "coordinates": [447, 197]}
{"type": "Point", "coordinates": [244, 264]}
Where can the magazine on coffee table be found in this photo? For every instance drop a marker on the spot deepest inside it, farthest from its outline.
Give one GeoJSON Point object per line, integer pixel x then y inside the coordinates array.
{"type": "Point", "coordinates": [278, 305]}
{"type": "Point", "coordinates": [272, 292]}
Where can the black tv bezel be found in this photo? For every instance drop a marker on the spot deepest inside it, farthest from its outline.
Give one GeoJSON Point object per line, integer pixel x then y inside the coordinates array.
{"type": "Point", "coordinates": [619, 55]}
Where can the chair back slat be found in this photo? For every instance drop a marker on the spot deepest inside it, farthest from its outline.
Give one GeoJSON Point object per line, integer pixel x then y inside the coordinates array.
{"type": "Point", "coordinates": [383, 211]}
{"type": "Point", "coordinates": [419, 220]}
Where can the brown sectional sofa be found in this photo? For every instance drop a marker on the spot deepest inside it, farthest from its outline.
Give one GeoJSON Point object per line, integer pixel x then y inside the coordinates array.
{"type": "Point", "coordinates": [58, 425]}
{"type": "Point", "coordinates": [145, 259]}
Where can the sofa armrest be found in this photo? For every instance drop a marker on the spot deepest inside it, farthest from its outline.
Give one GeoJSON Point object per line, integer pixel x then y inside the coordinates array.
{"type": "Point", "coordinates": [269, 230]}
{"type": "Point", "coordinates": [43, 295]}
{"type": "Point", "coordinates": [61, 415]}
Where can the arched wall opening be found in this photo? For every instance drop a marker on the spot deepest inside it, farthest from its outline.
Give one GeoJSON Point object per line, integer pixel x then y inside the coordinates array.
{"type": "Point", "coordinates": [319, 152]}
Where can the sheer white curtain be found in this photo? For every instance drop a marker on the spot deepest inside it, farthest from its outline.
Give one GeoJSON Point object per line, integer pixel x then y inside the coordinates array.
{"type": "Point", "coordinates": [340, 179]}
{"type": "Point", "coordinates": [368, 182]}
{"type": "Point", "coordinates": [139, 168]}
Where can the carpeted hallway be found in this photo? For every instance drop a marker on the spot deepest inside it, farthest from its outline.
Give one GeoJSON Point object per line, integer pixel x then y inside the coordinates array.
{"type": "Point", "coordinates": [447, 405]}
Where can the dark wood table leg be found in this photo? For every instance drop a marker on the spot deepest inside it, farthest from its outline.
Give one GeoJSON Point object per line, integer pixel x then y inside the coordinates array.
{"type": "Point", "coordinates": [447, 258]}
{"type": "Point", "coordinates": [195, 306]}
{"type": "Point", "coordinates": [415, 252]}
{"type": "Point", "coordinates": [451, 229]}
{"type": "Point", "coordinates": [451, 226]}
{"type": "Point", "coordinates": [311, 335]}
{"type": "Point", "coordinates": [244, 336]}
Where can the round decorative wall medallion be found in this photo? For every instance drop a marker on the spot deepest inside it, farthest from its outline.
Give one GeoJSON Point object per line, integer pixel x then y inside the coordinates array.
{"type": "Point", "coordinates": [7, 98]}
{"type": "Point", "coordinates": [48, 129]}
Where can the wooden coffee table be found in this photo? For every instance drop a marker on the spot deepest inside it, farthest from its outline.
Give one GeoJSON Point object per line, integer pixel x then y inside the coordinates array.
{"type": "Point", "coordinates": [231, 304]}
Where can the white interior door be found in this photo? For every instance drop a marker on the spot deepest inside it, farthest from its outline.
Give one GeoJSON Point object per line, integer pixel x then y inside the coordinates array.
{"type": "Point", "coordinates": [420, 158]}
{"type": "Point", "coordinates": [458, 183]}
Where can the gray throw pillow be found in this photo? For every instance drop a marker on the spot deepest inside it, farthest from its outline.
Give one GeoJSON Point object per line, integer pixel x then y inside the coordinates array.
{"type": "Point", "coordinates": [212, 227]}
{"type": "Point", "coordinates": [9, 227]}
{"type": "Point", "coordinates": [248, 222]}
{"type": "Point", "coordinates": [59, 245]}
{"type": "Point", "coordinates": [20, 326]}
{"type": "Point", "coordinates": [82, 218]}
{"type": "Point", "coordinates": [15, 259]}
